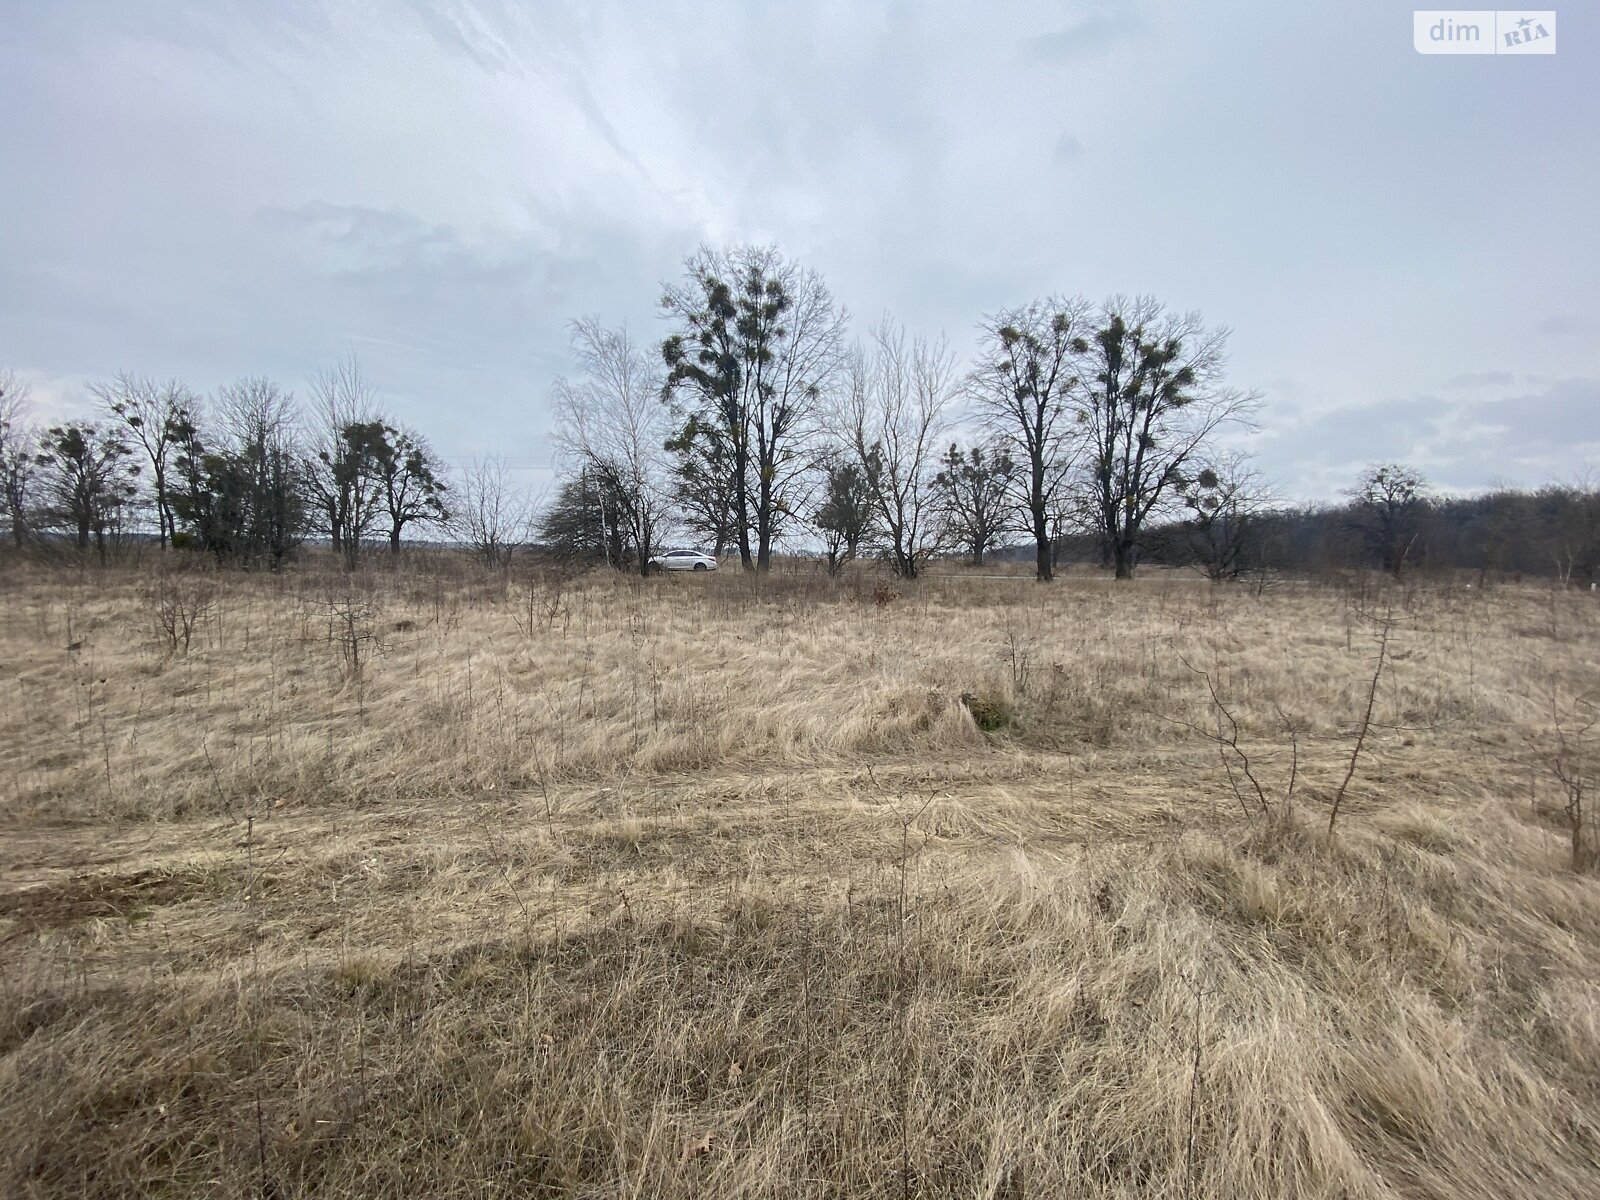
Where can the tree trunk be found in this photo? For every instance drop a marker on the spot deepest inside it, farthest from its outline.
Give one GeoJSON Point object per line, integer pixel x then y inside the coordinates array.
{"type": "Point", "coordinates": [746, 559]}
{"type": "Point", "coordinates": [1122, 553]}
{"type": "Point", "coordinates": [741, 507]}
{"type": "Point", "coordinates": [163, 510]}
{"type": "Point", "coordinates": [977, 554]}
{"type": "Point", "coordinates": [1044, 559]}
{"type": "Point", "coordinates": [394, 540]}
{"type": "Point", "coordinates": [764, 506]}
{"type": "Point", "coordinates": [644, 540]}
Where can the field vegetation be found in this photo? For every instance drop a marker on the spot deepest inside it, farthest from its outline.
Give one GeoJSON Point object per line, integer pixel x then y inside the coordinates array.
{"type": "Point", "coordinates": [433, 882]}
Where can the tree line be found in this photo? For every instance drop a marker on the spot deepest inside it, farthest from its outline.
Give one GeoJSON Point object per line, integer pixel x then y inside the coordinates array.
{"type": "Point", "coordinates": [244, 476]}
{"type": "Point", "coordinates": [1393, 520]}
{"type": "Point", "coordinates": [758, 417]}
{"type": "Point", "coordinates": [1104, 432]}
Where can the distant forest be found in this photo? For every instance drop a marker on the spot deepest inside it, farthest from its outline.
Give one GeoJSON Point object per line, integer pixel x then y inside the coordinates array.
{"type": "Point", "coordinates": [1553, 532]}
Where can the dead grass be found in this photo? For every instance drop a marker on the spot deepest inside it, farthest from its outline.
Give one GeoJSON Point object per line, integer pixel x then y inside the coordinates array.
{"type": "Point", "coordinates": [720, 887]}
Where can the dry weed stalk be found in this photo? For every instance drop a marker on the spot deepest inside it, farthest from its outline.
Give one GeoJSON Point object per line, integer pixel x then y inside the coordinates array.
{"type": "Point", "coordinates": [1386, 624]}
{"type": "Point", "coordinates": [1570, 765]}
{"type": "Point", "coordinates": [178, 606]}
{"type": "Point", "coordinates": [352, 622]}
{"type": "Point", "coordinates": [1231, 753]}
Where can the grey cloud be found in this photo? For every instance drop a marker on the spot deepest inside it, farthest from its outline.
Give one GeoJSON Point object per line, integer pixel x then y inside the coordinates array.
{"type": "Point", "coordinates": [473, 30]}
{"type": "Point", "coordinates": [1480, 379]}
{"type": "Point", "coordinates": [1526, 438]}
{"type": "Point", "coordinates": [458, 330]}
{"type": "Point", "coordinates": [214, 189]}
{"type": "Point", "coordinates": [1069, 148]}
{"type": "Point", "coordinates": [360, 240]}
{"type": "Point", "coordinates": [1088, 36]}
{"type": "Point", "coordinates": [1564, 415]}
{"type": "Point", "coordinates": [1559, 326]}
{"type": "Point", "coordinates": [500, 37]}
{"type": "Point", "coordinates": [1387, 429]}
{"type": "Point", "coordinates": [235, 31]}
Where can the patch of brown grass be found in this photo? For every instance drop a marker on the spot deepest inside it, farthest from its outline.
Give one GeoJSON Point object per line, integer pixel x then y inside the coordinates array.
{"type": "Point", "coordinates": [721, 890]}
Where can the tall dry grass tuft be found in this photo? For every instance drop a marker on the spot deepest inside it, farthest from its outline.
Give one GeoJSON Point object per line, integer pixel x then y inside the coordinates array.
{"type": "Point", "coordinates": [722, 887]}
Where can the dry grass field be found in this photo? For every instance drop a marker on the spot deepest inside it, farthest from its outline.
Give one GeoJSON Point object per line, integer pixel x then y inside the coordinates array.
{"type": "Point", "coordinates": [419, 884]}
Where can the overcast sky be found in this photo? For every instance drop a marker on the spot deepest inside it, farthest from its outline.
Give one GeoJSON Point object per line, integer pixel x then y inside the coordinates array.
{"type": "Point", "coordinates": [1405, 246]}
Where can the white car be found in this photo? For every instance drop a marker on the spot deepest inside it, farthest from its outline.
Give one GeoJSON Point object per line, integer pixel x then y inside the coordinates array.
{"type": "Point", "coordinates": [683, 560]}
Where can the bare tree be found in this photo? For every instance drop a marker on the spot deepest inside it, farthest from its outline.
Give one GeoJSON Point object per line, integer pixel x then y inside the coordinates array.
{"type": "Point", "coordinates": [1386, 509]}
{"type": "Point", "coordinates": [490, 514]}
{"type": "Point", "coordinates": [1227, 500]}
{"type": "Point", "coordinates": [1025, 390]}
{"type": "Point", "coordinates": [895, 404]}
{"type": "Point", "coordinates": [153, 417]}
{"type": "Point", "coordinates": [611, 424]}
{"type": "Point", "coordinates": [809, 359]}
{"type": "Point", "coordinates": [345, 428]}
{"type": "Point", "coordinates": [759, 340]}
{"type": "Point", "coordinates": [1153, 398]}
{"type": "Point", "coordinates": [973, 487]}
{"type": "Point", "coordinates": [18, 454]}
{"type": "Point", "coordinates": [1571, 514]}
